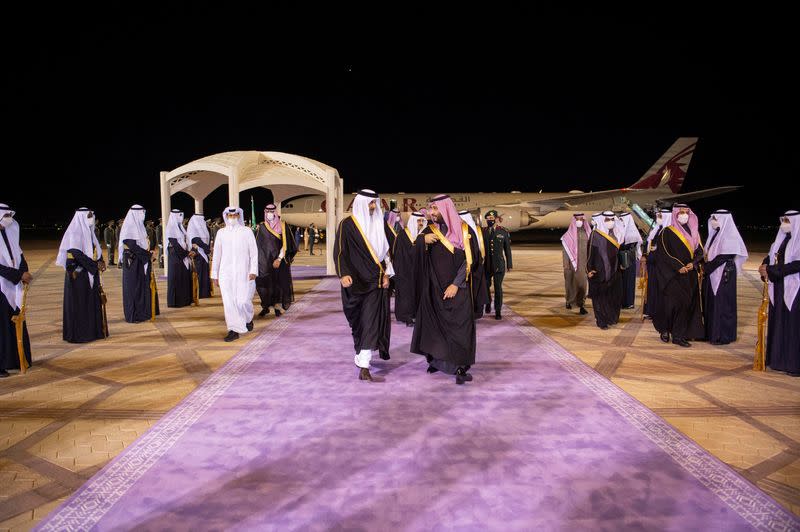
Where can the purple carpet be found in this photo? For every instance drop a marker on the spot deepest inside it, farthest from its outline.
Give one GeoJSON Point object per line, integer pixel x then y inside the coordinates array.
{"type": "Point", "coordinates": [285, 437]}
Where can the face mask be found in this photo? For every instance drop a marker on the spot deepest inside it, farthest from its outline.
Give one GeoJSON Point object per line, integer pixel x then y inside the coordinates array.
{"type": "Point", "coordinates": [489, 223]}
{"type": "Point", "coordinates": [786, 227]}
{"type": "Point", "coordinates": [5, 221]}
{"type": "Point", "coordinates": [683, 218]}
{"type": "Point", "coordinates": [714, 224]}
{"type": "Point", "coordinates": [610, 224]}
{"type": "Point", "coordinates": [579, 224]}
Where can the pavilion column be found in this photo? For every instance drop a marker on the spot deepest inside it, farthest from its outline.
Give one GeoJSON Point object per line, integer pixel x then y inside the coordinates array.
{"type": "Point", "coordinates": [339, 199]}
{"type": "Point", "coordinates": [233, 188]}
{"type": "Point", "coordinates": [166, 206]}
{"type": "Point", "coordinates": [330, 219]}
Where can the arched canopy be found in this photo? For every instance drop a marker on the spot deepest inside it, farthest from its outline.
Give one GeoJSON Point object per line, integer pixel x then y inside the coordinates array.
{"type": "Point", "coordinates": [285, 174]}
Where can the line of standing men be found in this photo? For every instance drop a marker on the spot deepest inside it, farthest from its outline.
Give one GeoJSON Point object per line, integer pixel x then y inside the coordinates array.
{"type": "Point", "coordinates": [134, 243]}
{"type": "Point", "coordinates": [690, 288]}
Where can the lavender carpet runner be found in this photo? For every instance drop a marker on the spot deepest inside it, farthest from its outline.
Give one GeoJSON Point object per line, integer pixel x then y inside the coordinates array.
{"type": "Point", "coordinates": [284, 437]}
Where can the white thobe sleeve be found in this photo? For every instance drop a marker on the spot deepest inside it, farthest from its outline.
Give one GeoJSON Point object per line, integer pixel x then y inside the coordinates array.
{"type": "Point", "coordinates": [217, 258]}
{"type": "Point", "coordinates": [252, 249]}
{"type": "Point", "coordinates": [389, 267]}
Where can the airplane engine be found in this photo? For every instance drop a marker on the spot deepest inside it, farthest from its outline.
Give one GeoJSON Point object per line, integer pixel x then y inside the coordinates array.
{"type": "Point", "coordinates": [514, 219]}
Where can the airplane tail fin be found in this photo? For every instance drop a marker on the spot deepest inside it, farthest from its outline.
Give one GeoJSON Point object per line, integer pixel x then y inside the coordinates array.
{"type": "Point", "coordinates": [670, 169]}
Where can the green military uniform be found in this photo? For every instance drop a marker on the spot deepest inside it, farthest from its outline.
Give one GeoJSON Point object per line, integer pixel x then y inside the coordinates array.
{"type": "Point", "coordinates": [497, 243]}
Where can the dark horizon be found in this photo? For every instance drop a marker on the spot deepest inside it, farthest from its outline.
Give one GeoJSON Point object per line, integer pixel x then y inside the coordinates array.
{"type": "Point", "coordinates": [96, 113]}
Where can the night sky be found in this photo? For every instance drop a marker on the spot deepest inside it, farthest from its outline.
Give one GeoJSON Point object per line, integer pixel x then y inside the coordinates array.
{"type": "Point", "coordinates": [514, 100]}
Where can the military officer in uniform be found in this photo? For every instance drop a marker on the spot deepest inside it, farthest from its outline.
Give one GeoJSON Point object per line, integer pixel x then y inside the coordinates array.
{"type": "Point", "coordinates": [110, 239]}
{"type": "Point", "coordinates": [497, 243]}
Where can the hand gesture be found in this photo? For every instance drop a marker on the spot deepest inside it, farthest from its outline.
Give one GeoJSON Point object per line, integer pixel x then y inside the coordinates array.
{"type": "Point", "coordinates": [276, 263]}
{"type": "Point", "coordinates": [346, 281]}
{"type": "Point", "coordinates": [385, 282]}
{"type": "Point", "coordinates": [27, 277]}
{"type": "Point", "coordinates": [430, 238]}
{"type": "Point", "coordinates": [591, 273]}
{"type": "Point", "coordinates": [451, 292]}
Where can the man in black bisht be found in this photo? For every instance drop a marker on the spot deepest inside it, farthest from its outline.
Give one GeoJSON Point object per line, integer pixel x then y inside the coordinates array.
{"type": "Point", "coordinates": [137, 254]}
{"type": "Point", "coordinates": [179, 256]}
{"type": "Point", "coordinates": [393, 227]}
{"type": "Point", "coordinates": [782, 268]}
{"type": "Point", "coordinates": [200, 241]}
{"type": "Point", "coordinates": [679, 264]}
{"type": "Point", "coordinates": [361, 254]}
{"type": "Point", "coordinates": [444, 329]}
{"type": "Point", "coordinates": [663, 219]}
{"type": "Point", "coordinates": [276, 250]}
{"type": "Point", "coordinates": [477, 279]}
{"type": "Point", "coordinates": [602, 267]}
{"type": "Point", "coordinates": [630, 251]}
{"type": "Point", "coordinates": [405, 261]}
{"type": "Point", "coordinates": [81, 255]}
{"type": "Point", "coordinates": [14, 275]}
{"type": "Point", "coordinates": [725, 256]}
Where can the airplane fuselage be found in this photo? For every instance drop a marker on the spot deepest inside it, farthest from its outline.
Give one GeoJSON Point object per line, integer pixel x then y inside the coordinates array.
{"type": "Point", "coordinates": [311, 209]}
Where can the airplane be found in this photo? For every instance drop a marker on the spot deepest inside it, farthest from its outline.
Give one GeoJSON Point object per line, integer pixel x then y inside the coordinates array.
{"type": "Point", "coordinates": [659, 186]}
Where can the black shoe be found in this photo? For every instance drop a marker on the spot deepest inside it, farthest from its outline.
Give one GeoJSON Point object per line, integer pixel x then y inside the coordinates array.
{"type": "Point", "coordinates": [681, 342]}
{"type": "Point", "coordinates": [277, 312]}
{"type": "Point", "coordinates": [385, 355]}
{"type": "Point", "coordinates": [603, 327]}
{"type": "Point", "coordinates": [569, 307]}
{"type": "Point", "coordinates": [263, 312]}
{"type": "Point", "coordinates": [583, 311]}
{"type": "Point", "coordinates": [465, 374]}
{"type": "Point", "coordinates": [249, 325]}
{"type": "Point", "coordinates": [232, 335]}
{"type": "Point", "coordinates": [3, 374]}
{"type": "Point", "coordinates": [364, 375]}
{"type": "Point", "coordinates": [665, 337]}
{"type": "Point", "coordinates": [497, 316]}
{"type": "Point", "coordinates": [488, 309]}
{"type": "Point", "coordinates": [431, 369]}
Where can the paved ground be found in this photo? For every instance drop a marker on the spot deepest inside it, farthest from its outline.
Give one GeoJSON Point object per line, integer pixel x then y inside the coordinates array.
{"type": "Point", "coordinates": [80, 405]}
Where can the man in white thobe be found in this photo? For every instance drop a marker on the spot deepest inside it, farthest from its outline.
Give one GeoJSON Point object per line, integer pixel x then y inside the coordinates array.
{"type": "Point", "coordinates": [234, 268]}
